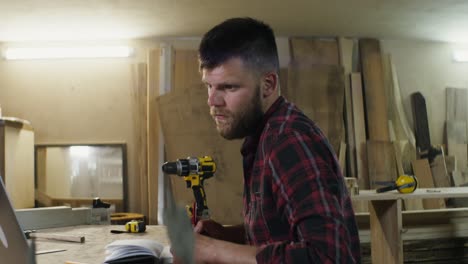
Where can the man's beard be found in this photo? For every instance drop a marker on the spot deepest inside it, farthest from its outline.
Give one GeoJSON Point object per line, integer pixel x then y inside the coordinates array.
{"type": "Point", "coordinates": [245, 121]}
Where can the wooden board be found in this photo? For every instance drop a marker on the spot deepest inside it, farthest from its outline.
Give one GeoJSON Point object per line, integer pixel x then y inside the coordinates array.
{"type": "Point", "coordinates": [359, 130]}
{"type": "Point", "coordinates": [374, 90]}
{"type": "Point", "coordinates": [456, 104]}
{"type": "Point", "coordinates": [423, 173]}
{"type": "Point", "coordinates": [321, 51]}
{"type": "Point", "coordinates": [153, 133]}
{"type": "Point", "coordinates": [346, 59]}
{"type": "Point", "coordinates": [381, 162]}
{"type": "Point", "coordinates": [318, 90]}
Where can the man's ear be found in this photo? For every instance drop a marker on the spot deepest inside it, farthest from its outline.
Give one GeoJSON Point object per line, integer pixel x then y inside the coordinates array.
{"type": "Point", "coordinates": [269, 84]}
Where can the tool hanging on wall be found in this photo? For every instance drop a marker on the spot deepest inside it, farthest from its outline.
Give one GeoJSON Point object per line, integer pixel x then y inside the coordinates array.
{"type": "Point", "coordinates": [404, 184]}
{"type": "Point", "coordinates": [194, 170]}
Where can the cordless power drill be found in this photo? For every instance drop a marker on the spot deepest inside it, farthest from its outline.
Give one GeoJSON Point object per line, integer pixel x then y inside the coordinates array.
{"type": "Point", "coordinates": [194, 170]}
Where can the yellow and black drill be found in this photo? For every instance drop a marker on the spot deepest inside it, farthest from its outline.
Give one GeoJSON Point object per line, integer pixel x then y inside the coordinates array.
{"type": "Point", "coordinates": [194, 170]}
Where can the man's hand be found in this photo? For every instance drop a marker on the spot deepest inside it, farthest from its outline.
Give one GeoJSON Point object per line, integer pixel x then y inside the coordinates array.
{"type": "Point", "coordinates": [202, 250]}
{"type": "Point", "coordinates": [210, 250]}
{"type": "Point", "coordinates": [210, 228]}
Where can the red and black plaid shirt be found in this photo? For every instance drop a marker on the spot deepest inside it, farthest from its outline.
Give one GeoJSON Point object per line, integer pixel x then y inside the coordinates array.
{"type": "Point", "coordinates": [296, 205]}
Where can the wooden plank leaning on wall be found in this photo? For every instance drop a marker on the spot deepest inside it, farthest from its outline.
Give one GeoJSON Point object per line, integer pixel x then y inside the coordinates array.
{"type": "Point", "coordinates": [140, 179]}
{"type": "Point", "coordinates": [153, 134]}
{"type": "Point", "coordinates": [387, 248]}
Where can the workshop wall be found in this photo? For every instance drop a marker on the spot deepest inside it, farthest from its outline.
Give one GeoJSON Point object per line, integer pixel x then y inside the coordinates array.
{"type": "Point", "coordinates": [427, 67]}
{"type": "Point", "coordinates": [75, 101]}
{"type": "Point", "coordinates": [90, 101]}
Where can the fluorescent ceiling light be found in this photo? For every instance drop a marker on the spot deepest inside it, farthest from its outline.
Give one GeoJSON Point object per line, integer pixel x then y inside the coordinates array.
{"type": "Point", "coordinates": [460, 55]}
{"type": "Point", "coordinates": [68, 52]}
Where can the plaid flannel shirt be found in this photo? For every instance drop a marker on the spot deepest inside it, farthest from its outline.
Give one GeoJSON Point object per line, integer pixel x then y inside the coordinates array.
{"type": "Point", "coordinates": [296, 205]}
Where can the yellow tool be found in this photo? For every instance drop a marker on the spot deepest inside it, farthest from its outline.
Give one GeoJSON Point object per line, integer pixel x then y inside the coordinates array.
{"type": "Point", "coordinates": [194, 170]}
{"type": "Point", "coordinates": [404, 184]}
{"type": "Point", "coordinates": [135, 226]}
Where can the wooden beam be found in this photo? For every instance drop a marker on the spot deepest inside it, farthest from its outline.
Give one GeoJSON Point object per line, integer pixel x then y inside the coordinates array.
{"type": "Point", "coordinates": [153, 133]}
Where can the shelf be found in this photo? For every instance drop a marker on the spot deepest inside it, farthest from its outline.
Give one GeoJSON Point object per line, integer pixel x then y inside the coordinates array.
{"type": "Point", "coordinates": [450, 192]}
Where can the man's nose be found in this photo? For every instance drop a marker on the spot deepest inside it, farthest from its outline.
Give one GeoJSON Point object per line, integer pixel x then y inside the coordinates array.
{"type": "Point", "coordinates": [215, 98]}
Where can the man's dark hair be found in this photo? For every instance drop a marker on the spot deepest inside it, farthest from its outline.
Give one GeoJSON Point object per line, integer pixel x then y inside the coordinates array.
{"type": "Point", "coordinates": [246, 38]}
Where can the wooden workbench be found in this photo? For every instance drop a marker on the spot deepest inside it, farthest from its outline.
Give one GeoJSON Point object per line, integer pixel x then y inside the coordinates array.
{"type": "Point", "coordinates": [92, 251]}
{"type": "Point", "coordinates": [386, 218]}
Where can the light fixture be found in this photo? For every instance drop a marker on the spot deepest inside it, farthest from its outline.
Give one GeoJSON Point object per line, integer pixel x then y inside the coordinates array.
{"type": "Point", "coordinates": [460, 55]}
{"type": "Point", "coordinates": [67, 52]}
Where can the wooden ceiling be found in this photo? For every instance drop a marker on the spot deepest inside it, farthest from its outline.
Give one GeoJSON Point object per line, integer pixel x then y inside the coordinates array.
{"type": "Point", "coordinates": [49, 20]}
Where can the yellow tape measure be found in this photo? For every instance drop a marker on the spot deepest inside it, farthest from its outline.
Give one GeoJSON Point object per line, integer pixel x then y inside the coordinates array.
{"type": "Point", "coordinates": [404, 184]}
{"type": "Point", "coordinates": [135, 226]}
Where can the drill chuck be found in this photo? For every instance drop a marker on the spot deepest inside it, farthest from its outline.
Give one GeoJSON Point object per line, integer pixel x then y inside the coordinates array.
{"type": "Point", "coordinates": [191, 166]}
{"type": "Point", "coordinates": [179, 167]}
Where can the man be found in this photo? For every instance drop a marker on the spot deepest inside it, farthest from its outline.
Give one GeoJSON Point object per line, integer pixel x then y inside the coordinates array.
{"type": "Point", "coordinates": [296, 206]}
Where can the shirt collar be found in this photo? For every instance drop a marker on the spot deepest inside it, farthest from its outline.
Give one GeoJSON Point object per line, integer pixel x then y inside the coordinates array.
{"type": "Point", "coordinates": [251, 141]}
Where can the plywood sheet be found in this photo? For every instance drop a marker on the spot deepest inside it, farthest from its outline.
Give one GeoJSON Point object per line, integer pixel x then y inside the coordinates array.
{"type": "Point", "coordinates": [318, 90]}
{"type": "Point", "coordinates": [190, 131]}
{"type": "Point", "coordinates": [315, 50]}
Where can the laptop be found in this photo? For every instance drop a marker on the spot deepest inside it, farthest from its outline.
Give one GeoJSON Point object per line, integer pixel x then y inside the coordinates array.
{"type": "Point", "coordinates": [14, 247]}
